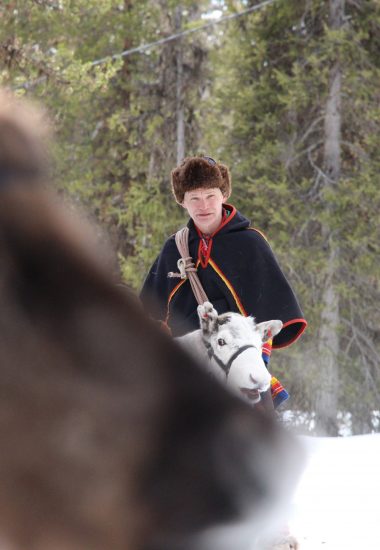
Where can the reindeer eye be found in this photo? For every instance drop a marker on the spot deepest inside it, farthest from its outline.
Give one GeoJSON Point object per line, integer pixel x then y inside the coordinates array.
{"type": "Point", "coordinates": [221, 342]}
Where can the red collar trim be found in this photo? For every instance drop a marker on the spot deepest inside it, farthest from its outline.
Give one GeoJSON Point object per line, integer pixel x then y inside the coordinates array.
{"type": "Point", "coordinates": [203, 260]}
{"type": "Point", "coordinates": [227, 219]}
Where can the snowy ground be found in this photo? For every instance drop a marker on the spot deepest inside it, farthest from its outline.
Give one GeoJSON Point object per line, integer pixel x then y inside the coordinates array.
{"type": "Point", "coordinates": [336, 505]}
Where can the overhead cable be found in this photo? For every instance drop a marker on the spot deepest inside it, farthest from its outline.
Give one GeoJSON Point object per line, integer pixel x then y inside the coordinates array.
{"type": "Point", "coordinates": [172, 37]}
{"type": "Point", "coordinates": [175, 36]}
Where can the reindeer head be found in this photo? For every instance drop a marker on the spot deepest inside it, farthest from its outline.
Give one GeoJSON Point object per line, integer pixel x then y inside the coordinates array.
{"type": "Point", "coordinates": [234, 343]}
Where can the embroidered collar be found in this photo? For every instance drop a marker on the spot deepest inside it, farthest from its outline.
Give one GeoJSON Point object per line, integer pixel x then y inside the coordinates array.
{"type": "Point", "coordinates": [205, 242]}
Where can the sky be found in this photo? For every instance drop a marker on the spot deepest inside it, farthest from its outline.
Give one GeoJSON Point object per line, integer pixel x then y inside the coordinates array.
{"type": "Point", "coordinates": [336, 505]}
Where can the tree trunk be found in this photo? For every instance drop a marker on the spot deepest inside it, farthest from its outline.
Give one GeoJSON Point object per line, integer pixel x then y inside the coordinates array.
{"type": "Point", "coordinates": [180, 102]}
{"type": "Point", "coordinates": [328, 352]}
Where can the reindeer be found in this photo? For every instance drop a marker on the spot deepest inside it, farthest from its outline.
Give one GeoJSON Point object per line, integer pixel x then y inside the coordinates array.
{"type": "Point", "coordinates": [229, 346]}
{"type": "Point", "coordinates": [111, 436]}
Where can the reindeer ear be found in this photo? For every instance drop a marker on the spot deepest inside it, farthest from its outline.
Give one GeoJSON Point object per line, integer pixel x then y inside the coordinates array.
{"type": "Point", "coordinates": [269, 329]}
{"type": "Point", "coordinates": [208, 317]}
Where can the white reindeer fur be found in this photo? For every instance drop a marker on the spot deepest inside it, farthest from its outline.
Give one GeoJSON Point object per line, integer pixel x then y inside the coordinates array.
{"type": "Point", "coordinates": [248, 371]}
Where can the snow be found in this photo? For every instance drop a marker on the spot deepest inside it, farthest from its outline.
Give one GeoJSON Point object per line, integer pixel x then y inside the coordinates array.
{"type": "Point", "coordinates": [336, 503]}
{"type": "Point", "coordinates": [214, 14]}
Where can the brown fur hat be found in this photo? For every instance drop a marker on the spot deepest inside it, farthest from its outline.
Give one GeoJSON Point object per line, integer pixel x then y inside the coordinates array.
{"type": "Point", "coordinates": [200, 171]}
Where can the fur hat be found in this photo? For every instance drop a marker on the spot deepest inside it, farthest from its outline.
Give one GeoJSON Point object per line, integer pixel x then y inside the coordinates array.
{"type": "Point", "coordinates": [200, 171]}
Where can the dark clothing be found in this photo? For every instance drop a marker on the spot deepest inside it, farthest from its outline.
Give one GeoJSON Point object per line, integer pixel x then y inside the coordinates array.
{"type": "Point", "coordinates": [238, 271]}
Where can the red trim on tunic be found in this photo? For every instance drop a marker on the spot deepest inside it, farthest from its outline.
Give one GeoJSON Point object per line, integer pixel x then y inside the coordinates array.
{"type": "Point", "coordinates": [276, 386]}
{"type": "Point", "coordinates": [267, 347]}
{"type": "Point", "coordinates": [301, 330]}
{"type": "Point", "coordinates": [171, 297]}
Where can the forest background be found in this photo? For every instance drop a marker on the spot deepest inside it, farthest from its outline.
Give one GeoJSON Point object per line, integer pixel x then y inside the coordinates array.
{"type": "Point", "coordinates": [285, 92]}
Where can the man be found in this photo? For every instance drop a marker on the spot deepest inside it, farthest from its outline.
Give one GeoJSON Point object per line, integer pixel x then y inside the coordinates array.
{"type": "Point", "coordinates": [234, 261]}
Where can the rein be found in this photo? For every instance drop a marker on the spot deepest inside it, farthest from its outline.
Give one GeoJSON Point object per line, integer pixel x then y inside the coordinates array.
{"type": "Point", "coordinates": [226, 367]}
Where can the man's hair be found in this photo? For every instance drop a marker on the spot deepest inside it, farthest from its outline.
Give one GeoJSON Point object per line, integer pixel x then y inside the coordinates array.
{"type": "Point", "coordinates": [200, 172]}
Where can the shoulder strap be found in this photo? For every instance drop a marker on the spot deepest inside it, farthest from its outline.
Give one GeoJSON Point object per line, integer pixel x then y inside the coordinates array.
{"type": "Point", "coordinates": [186, 266]}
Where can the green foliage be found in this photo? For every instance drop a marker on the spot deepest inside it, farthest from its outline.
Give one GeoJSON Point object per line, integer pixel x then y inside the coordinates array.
{"type": "Point", "coordinates": [115, 120]}
{"type": "Point", "coordinates": [254, 96]}
{"type": "Point", "coordinates": [272, 70]}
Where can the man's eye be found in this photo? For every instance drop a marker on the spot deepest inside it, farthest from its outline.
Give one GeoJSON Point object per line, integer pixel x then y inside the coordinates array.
{"type": "Point", "coordinates": [221, 342]}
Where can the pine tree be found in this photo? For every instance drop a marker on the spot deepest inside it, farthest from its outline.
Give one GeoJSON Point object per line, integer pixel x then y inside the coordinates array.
{"type": "Point", "coordinates": [117, 120]}
{"type": "Point", "coordinates": [295, 104]}
{"type": "Point", "coordinates": [166, 132]}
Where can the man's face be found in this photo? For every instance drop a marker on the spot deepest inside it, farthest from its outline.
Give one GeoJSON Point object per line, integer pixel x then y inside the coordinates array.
{"type": "Point", "coordinates": [205, 208]}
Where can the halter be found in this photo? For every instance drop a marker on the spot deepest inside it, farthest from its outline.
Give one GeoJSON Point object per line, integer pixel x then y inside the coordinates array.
{"type": "Point", "coordinates": [225, 366]}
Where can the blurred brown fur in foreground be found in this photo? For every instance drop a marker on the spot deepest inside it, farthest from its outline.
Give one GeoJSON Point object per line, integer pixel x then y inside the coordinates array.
{"type": "Point", "coordinates": [24, 133]}
{"type": "Point", "coordinates": [111, 437]}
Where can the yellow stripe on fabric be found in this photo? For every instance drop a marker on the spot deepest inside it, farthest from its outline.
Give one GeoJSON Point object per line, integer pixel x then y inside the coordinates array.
{"type": "Point", "coordinates": [229, 286]}
{"type": "Point", "coordinates": [268, 343]}
{"type": "Point", "coordinates": [259, 232]}
{"type": "Point", "coordinates": [171, 297]}
{"type": "Point", "coordinates": [175, 290]}
{"type": "Point", "coordinates": [276, 386]}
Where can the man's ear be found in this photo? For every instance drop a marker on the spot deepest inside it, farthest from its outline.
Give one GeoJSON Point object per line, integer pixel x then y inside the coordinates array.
{"type": "Point", "coordinates": [269, 329]}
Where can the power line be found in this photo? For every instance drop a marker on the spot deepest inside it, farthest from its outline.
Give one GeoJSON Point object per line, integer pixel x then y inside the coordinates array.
{"type": "Point", "coordinates": [170, 38]}
{"type": "Point", "coordinates": [175, 36]}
